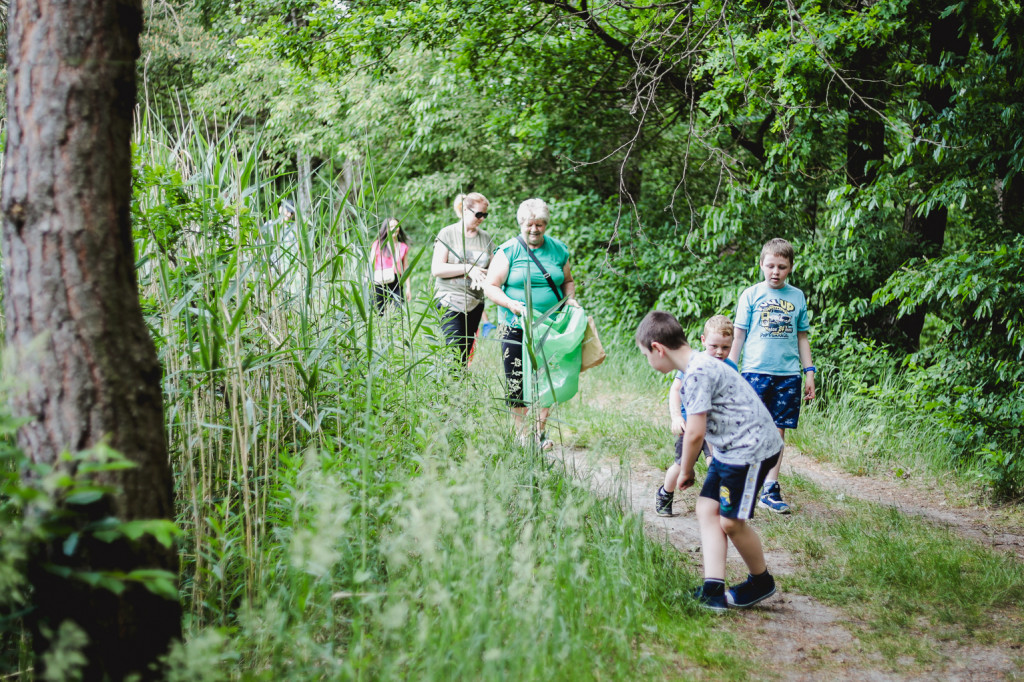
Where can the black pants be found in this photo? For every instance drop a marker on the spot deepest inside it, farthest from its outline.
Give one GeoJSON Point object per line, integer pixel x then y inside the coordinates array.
{"type": "Point", "coordinates": [512, 359]}
{"type": "Point", "coordinates": [387, 294]}
{"type": "Point", "coordinates": [460, 328]}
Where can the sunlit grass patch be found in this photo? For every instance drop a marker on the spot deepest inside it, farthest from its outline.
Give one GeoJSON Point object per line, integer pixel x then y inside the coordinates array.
{"type": "Point", "coordinates": [906, 583]}
{"type": "Point", "coordinates": [489, 565]}
{"type": "Point", "coordinates": [622, 411]}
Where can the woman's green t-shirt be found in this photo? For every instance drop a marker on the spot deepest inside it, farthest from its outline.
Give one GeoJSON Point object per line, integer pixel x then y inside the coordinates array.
{"type": "Point", "coordinates": [553, 255]}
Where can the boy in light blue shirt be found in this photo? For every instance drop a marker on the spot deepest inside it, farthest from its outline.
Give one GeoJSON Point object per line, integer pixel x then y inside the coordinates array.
{"type": "Point", "coordinates": [771, 334]}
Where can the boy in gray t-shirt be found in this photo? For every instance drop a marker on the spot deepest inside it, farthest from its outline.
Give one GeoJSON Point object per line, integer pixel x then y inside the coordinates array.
{"type": "Point", "coordinates": [724, 409]}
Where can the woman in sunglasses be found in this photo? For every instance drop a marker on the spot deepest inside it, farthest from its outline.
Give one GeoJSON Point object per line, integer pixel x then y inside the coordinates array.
{"type": "Point", "coordinates": [462, 252]}
{"type": "Point", "coordinates": [528, 260]}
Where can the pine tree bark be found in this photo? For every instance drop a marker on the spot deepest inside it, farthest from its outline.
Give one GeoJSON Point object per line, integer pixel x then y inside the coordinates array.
{"type": "Point", "coordinates": [84, 366]}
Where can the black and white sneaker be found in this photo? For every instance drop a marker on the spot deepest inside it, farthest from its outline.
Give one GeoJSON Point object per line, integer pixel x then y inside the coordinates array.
{"type": "Point", "coordinates": [751, 591]}
{"type": "Point", "coordinates": [663, 502]}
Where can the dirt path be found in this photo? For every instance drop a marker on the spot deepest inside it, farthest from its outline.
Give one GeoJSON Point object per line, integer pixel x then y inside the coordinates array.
{"type": "Point", "coordinates": [982, 525]}
{"type": "Point", "coordinates": [812, 640]}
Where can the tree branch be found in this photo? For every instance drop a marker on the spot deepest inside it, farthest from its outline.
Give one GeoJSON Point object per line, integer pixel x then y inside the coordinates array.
{"type": "Point", "coordinates": [677, 81]}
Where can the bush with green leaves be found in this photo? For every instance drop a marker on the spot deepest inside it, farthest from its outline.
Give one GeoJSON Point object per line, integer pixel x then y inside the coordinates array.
{"type": "Point", "coordinates": [971, 380]}
{"type": "Point", "coordinates": [50, 516]}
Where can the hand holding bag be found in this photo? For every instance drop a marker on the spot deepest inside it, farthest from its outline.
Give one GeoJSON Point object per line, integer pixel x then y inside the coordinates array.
{"type": "Point", "coordinates": [593, 352]}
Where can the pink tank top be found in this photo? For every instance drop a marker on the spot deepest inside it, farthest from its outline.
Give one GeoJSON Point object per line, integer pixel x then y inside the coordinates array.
{"type": "Point", "coordinates": [382, 259]}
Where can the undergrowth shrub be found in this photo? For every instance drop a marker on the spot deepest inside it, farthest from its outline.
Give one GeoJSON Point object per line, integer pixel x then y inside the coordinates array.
{"type": "Point", "coordinates": [970, 381]}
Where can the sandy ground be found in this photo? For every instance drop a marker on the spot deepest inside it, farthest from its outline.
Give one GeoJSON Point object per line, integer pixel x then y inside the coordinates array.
{"type": "Point", "coordinates": [813, 640]}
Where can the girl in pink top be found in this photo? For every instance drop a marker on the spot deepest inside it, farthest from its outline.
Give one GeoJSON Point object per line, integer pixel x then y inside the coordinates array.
{"type": "Point", "coordinates": [388, 269]}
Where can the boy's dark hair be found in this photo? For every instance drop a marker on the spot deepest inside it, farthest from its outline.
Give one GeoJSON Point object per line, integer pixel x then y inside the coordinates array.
{"type": "Point", "coordinates": [661, 327]}
{"type": "Point", "coordinates": [777, 247]}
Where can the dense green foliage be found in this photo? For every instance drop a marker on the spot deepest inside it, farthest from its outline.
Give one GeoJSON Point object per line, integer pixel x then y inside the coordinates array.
{"type": "Point", "coordinates": [882, 139]}
{"type": "Point", "coordinates": [348, 510]}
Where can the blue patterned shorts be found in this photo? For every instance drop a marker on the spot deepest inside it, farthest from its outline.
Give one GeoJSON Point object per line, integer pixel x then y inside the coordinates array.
{"type": "Point", "coordinates": [781, 395]}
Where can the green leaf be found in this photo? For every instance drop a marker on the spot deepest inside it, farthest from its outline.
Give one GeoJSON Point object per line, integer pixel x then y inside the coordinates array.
{"type": "Point", "coordinates": [85, 495]}
{"type": "Point", "coordinates": [160, 582]}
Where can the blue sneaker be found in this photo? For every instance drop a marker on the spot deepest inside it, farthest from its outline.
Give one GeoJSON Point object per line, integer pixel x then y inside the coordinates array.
{"type": "Point", "coordinates": [771, 499]}
{"type": "Point", "coordinates": [746, 594]}
{"type": "Point", "coordinates": [716, 603]}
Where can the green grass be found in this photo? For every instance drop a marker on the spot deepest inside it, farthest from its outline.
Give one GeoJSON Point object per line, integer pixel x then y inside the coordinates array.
{"type": "Point", "coordinates": [904, 583]}
{"type": "Point", "coordinates": [619, 411]}
{"type": "Point", "coordinates": [870, 436]}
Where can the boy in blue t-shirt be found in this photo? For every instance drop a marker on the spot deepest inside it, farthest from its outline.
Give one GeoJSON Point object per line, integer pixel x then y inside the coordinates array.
{"type": "Point", "coordinates": [771, 333]}
{"type": "Point", "coordinates": [717, 340]}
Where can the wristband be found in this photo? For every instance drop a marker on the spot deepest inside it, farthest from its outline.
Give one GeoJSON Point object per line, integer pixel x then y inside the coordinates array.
{"type": "Point", "coordinates": [809, 369]}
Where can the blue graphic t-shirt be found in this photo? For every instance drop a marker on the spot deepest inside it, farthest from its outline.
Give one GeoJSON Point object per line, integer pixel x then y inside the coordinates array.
{"type": "Point", "coordinates": [772, 319]}
{"type": "Point", "coordinates": [680, 375]}
{"type": "Point", "coordinates": [739, 426]}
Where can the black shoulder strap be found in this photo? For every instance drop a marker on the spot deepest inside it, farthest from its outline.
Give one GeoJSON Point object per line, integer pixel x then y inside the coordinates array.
{"type": "Point", "coordinates": [547, 277]}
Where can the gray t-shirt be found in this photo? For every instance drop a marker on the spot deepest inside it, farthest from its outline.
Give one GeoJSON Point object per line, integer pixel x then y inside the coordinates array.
{"type": "Point", "coordinates": [739, 425]}
{"type": "Point", "coordinates": [456, 292]}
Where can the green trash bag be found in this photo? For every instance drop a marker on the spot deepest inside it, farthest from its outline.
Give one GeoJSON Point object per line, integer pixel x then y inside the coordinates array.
{"type": "Point", "coordinates": [557, 344]}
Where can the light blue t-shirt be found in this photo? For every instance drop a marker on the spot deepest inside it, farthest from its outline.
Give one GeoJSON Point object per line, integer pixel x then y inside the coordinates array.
{"type": "Point", "coordinates": [739, 426]}
{"type": "Point", "coordinates": [679, 375]}
{"type": "Point", "coordinates": [772, 319]}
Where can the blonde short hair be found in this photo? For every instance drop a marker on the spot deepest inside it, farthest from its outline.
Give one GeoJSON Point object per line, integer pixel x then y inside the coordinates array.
{"type": "Point", "coordinates": [474, 198]}
{"type": "Point", "coordinates": [719, 324]}
{"type": "Point", "coordinates": [533, 209]}
{"type": "Point", "coordinates": [777, 247]}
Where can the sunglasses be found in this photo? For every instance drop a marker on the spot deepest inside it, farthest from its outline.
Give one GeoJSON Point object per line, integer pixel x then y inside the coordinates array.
{"type": "Point", "coordinates": [480, 215]}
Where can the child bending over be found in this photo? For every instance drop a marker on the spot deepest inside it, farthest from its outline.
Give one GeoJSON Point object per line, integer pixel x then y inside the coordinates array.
{"type": "Point", "coordinates": [723, 408]}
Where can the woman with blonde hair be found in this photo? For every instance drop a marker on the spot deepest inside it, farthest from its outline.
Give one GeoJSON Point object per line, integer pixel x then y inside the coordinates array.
{"type": "Point", "coordinates": [462, 253]}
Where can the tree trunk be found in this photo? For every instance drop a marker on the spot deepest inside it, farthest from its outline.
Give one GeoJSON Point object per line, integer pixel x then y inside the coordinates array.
{"type": "Point", "coordinates": [865, 134]}
{"type": "Point", "coordinates": [349, 180]}
{"type": "Point", "coordinates": [84, 365]}
{"type": "Point", "coordinates": [1011, 204]}
{"type": "Point", "coordinates": [927, 232]}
